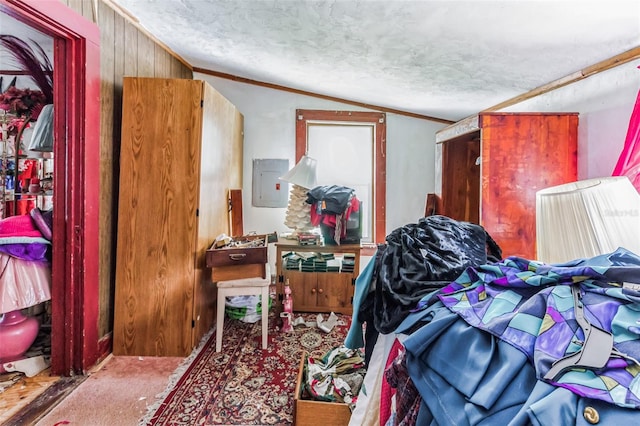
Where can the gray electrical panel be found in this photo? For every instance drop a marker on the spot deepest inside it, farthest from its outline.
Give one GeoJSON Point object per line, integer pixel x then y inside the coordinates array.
{"type": "Point", "coordinates": [268, 190]}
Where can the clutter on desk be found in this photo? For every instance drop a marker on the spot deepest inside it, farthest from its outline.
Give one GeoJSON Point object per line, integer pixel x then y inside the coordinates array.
{"type": "Point", "coordinates": [244, 241]}
{"type": "Point", "coordinates": [318, 262]}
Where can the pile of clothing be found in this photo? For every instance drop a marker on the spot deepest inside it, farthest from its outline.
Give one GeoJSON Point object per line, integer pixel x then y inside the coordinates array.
{"type": "Point", "coordinates": [335, 377]}
{"type": "Point", "coordinates": [416, 259]}
{"type": "Point", "coordinates": [511, 342]}
{"type": "Point", "coordinates": [331, 207]}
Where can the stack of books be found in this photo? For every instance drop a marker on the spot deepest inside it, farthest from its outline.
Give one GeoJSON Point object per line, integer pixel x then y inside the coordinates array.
{"type": "Point", "coordinates": [348, 262]}
{"type": "Point", "coordinates": [320, 265]}
{"type": "Point", "coordinates": [308, 239]}
{"type": "Point", "coordinates": [308, 265]}
{"type": "Point", "coordinates": [327, 256]}
{"type": "Point", "coordinates": [292, 263]}
{"type": "Point", "coordinates": [333, 265]}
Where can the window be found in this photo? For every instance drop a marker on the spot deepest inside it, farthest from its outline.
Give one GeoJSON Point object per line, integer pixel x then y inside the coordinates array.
{"type": "Point", "coordinates": [350, 149]}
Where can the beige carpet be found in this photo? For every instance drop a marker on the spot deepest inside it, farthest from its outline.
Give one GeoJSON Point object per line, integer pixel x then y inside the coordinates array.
{"type": "Point", "coordinates": [117, 394]}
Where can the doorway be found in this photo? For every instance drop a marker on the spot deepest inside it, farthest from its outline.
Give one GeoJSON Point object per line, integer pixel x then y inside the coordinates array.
{"type": "Point", "coordinates": [76, 129]}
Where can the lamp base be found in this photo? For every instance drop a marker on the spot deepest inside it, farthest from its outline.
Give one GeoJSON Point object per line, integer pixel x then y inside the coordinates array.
{"type": "Point", "coordinates": [17, 334]}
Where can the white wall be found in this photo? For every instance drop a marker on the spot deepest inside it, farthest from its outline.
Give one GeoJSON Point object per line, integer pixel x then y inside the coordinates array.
{"type": "Point", "coordinates": [604, 101]}
{"type": "Point", "coordinates": [269, 132]}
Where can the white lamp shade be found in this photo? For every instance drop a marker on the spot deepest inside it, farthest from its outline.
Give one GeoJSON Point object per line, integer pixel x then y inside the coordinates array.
{"type": "Point", "coordinates": [303, 173]}
{"type": "Point", "coordinates": [587, 218]}
{"type": "Point", "coordinates": [42, 136]}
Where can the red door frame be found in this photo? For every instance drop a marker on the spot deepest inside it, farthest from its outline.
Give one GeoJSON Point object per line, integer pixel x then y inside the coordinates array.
{"type": "Point", "coordinates": [75, 276]}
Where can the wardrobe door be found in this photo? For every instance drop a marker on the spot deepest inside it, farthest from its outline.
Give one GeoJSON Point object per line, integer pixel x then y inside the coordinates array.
{"type": "Point", "coordinates": [522, 154]}
{"type": "Point", "coordinates": [490, 167]}
{"type": "Point", "coordinates": [157, 225]}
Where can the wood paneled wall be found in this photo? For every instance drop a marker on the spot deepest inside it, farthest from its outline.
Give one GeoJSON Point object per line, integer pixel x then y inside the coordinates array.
{"type": "Point", "coordinates": [124, 51]}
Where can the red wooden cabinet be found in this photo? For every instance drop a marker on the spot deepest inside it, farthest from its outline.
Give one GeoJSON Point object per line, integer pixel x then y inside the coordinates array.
{"type": "Point", "coordinates": [490, 166]}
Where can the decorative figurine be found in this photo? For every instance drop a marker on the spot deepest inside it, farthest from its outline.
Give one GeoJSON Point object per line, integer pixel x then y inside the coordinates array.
{"type": "Point", "coordinates": [287, 311]}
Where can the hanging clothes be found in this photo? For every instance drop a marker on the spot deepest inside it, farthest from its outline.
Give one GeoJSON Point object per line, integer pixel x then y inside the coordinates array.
{"type": "Point", "coordinates": [629, 161]}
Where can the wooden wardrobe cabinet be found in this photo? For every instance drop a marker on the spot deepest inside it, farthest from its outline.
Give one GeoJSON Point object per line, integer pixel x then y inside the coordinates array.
{"type": "Point", "coordinates": [181, 152]}
{"type": "Point", "coordinates": [490, 166]}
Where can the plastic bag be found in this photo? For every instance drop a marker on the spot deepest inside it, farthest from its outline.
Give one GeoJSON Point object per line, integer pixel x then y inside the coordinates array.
{"type": "Point", "coordinates": [245, 308]}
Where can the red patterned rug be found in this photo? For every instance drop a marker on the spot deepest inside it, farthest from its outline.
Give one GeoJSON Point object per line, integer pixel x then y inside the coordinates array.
{"type": "Point", "coordinates": [243, 384]}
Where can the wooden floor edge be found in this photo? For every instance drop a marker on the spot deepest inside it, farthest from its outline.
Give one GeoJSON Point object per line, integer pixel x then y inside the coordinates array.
{"type": "Point", "coordinates": [101, 364]}
{"type": "Point", "coordinates": [45, 402]}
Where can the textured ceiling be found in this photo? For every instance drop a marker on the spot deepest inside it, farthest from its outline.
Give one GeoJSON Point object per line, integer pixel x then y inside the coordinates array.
{"type": "Point", "coordinates": [445, 59]}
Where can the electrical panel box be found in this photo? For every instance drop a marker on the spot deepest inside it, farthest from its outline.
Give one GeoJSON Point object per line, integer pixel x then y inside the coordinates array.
{"type": "Point", "coordinates": [268, 190]}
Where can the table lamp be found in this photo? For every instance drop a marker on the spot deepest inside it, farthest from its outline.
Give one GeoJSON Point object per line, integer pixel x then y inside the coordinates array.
{"type": "Point", "coordinates": [587, 218]}
{"type": "Point", "coordinates": [23, 283]}
{"type": "Point", "coordinates": [303, 178]}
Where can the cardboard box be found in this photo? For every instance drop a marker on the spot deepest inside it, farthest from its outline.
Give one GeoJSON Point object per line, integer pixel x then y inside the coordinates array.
{"type": "Point", "coordinates": [245, 259]}
{"type": "Point", "coordinates": [312, 413]}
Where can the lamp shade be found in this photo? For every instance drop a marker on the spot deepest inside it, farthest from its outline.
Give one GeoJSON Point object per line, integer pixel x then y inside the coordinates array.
{"type": "Point", "coordinates": [42, 136]}
{"type": "Point", "coordinates": [587, 218]}
{"type": "Point", "coordinates": [303, 173]}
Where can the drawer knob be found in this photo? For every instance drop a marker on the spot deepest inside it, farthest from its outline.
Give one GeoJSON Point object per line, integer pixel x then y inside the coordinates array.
{"type": "Point", "coordinates": [237, 256]}
{"type": "Point", "coordinates": [320, 291]}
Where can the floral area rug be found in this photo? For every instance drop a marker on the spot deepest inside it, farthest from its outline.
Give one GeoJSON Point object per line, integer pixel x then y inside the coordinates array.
{"type": "Point", "coordinates": [244, 384]}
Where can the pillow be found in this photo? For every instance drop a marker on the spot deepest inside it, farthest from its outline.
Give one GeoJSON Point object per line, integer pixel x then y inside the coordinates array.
{"type": "Point", "coordinates": [18, 226]}
{"type": "Point", "coordinates": [43, 222]}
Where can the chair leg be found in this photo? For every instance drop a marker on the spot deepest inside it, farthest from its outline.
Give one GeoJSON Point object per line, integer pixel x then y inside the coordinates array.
{"type": "Point", "coordinates": [220, 320]}
{"type": "Point", "coordinates": [265, 316]}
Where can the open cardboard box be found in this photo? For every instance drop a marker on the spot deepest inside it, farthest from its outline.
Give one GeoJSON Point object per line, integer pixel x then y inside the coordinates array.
{"type": "Point", "coordinates": [311, 413]}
